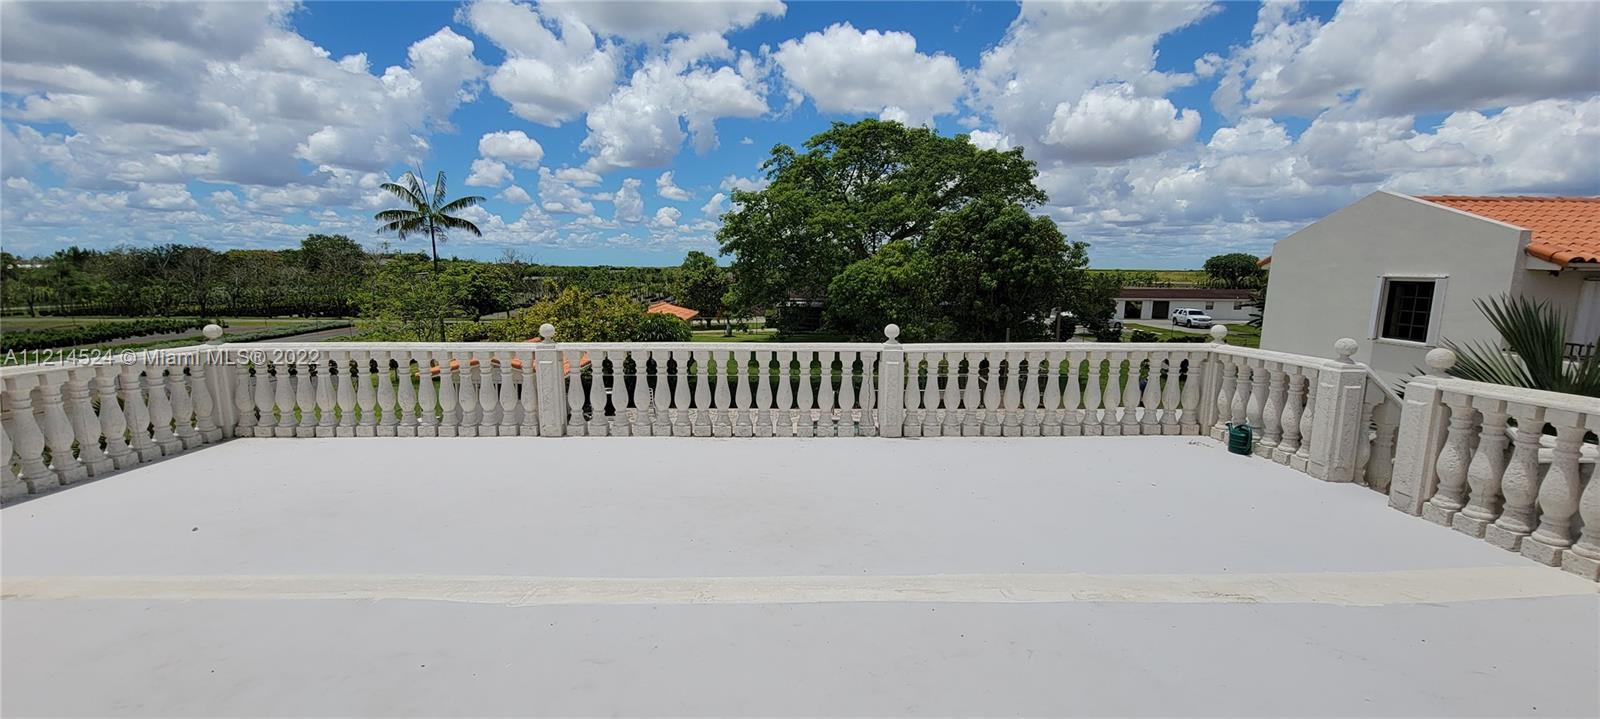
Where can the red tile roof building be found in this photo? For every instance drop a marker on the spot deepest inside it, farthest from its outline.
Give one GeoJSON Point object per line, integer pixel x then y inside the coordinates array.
{"type": "Point", "coordinates": [1565, 229]}
{"type": "Point", "coordinates": [667, 308]}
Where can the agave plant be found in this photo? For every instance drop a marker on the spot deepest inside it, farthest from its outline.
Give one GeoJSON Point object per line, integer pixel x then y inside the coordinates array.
{"type": "Point", "coordinates": [1534, 335]}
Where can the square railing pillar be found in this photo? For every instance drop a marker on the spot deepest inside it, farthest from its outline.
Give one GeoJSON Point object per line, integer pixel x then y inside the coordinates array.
{"type": "Point", "coordinates": [549, 376]}
{"type": "Point", "coordinates": [891, 384]}
{"type": "Point", "coordinates": [1424, 419]}
{"type": "Point", "coordinates": [1337, 429]}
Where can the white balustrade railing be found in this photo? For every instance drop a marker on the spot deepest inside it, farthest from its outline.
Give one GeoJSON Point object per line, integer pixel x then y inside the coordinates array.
{"type": "Point", "coordinates": [1509, 465]}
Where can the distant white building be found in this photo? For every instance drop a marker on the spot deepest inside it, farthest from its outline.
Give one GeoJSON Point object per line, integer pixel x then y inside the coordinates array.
{"type": "Point", "coordinates": [1402, 273]}
{"type": "Point", "coordinates": [1157, 303]}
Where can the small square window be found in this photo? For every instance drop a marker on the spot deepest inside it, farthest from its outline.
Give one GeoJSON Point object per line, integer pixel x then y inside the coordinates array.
{"type": "Point", "coordinates": [1407, 310]}
{"type": "Point", "coordinates": [1238, 306]}
{"type": "Point", "coordinates": [1211, 305]}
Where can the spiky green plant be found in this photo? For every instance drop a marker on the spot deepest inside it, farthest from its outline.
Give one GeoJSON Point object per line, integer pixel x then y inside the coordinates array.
{"type": "Point", "coordinates": [1534, 335]}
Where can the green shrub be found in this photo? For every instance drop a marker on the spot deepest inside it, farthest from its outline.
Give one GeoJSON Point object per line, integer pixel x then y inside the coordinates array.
{"type": "Point", "coordinates": [1144, 336]}
{"type": "Point", "coordinates": [662, 328]}
{"type": "Point", "coordinates": [94, 333]}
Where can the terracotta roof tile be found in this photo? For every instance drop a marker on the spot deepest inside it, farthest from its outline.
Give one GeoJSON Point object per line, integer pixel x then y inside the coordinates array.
{"type": "Point", "coordinates": [1565, 229]}
{"type": "Point", "coordinates": [667, 308]}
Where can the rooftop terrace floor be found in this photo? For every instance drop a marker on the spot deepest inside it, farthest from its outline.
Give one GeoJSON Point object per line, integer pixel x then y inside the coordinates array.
{"type": "Point", "coordinates": [583, 576]}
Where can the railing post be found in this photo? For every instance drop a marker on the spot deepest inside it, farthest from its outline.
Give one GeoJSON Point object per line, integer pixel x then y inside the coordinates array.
{"type": "Point", "coordinates": [891, 384]}
{"type": "Point", "coordinates": [1336, 420]}
{"type": "Point", "coordinates": [548, 377]}
{"type": "Point", "coordinates": [1422, 427]}
{"type": "Point", "coordinates": [1210, 378]}
{"type": "Point", "coordinates": [219, 379]}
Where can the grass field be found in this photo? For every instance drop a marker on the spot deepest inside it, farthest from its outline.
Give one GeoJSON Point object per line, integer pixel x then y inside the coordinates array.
{"type": "Point", "coordinates": [1195, 277]}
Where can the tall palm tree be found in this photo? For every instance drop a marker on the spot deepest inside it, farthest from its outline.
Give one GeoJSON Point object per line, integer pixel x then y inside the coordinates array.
{"type": "Point", "coordinates": [426, 213]}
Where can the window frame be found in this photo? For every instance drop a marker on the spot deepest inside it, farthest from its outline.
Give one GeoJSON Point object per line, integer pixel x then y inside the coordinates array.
{"type": "Point", "coordinates": [1380, 302]}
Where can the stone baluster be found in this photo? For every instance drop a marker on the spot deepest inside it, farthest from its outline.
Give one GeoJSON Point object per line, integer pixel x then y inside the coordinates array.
{"type": "Point", "coordinates": [244, 405]}
{"type": "Point", "coordinates": [1092, 397]}
{"type": "Point", "coordinates": [138, 411]}
{"type": "Point", "coordinates": [1294, 402]}
{"type": "Point", "coordinates": [971, 396]}
{"type": "Point", "coordinates": [1451, 467]}
{"type": "Point", "coordinates": [911, 399]}
{"type": "Point", "coordinates": [1255, 406]}
{"type": "Point", "coordinates": [28, 437]}
{"type": "Point", "coordinates": [825, 395]}
{"type": "Point", "coordinates": [868, 403]}
{"type": "Point", "coordinates": [326, 416]}
{"type": "Point", "coordinates": [344, 395]}
{"type": "Point", "coordinates": [992, 411]}
{"type": "Point", "coordinates": [1150, 398]}
{"type": "Point", "coordinates": [11, 486]}
{"type": "Point", "coordinates": [467, 392]}
{"type": "Point", "coordinates": [161, 415]}
{"type": "Point", "coordinates": [1386, 424]}
{"type": "Point", "coordinates": [1302, 456]}
{"type": "Point", "coordinates": [786, 412]}
{"type": "Point", "coordinates": [113, 421]}
{"type": "Point", "coordinates": [1486, 470]}
{"type": "Point", "coordinates": [681, 412]}
{"type": "Point", "coordinates": [426, 397]}
{"type": "Point", "coordinates": [58, 431]}
{"type": "Point", "coordinates": [489, 395]}
{"type": "Point", "coordinates": [1131, 392]}
{"type": "Point", "coordinates": [1111, 419]}
{"type": "Point", "coordinates": [762, 417]}
{"type": "Point", "coordinates": [450, 399]}
{"type": "Point", "coordinates": [1171, 393]}
{"type": "Point", "coordinates": [1226, 387]}
{"type": "Point", "coordinates": [1071, 414]}
{"type": "Point", "coordinates": [847, 395]}
{"type": "Point", "coordinates": [1239, 404]}
{"type": "Point", "coordinates": [653, 366]}
{"type": "Point", "coordinates": [1583, 559]}
{"type": "Point", "coordinates": [206, 405]}
{"type": "Point", "coordinates": [702, 394]}
{"type": "Point", "coordinates": [1558, 493]}
{"type": "Point", "coordinates": [388, 424]}
{"type": "Point", "coordinates": [366, 395]}
{"type": "Point", "coordinates": [1011, 394]}
{"type": "Point", "coordinates": [85, 424]}
{"type": "Point", "coordinates": [743, 418]}
{"type": "Point", "coordinates": [529, 397]}
{"type": "Point", "coordinates": [404, 408]}
{"type": "Point", "coordinates": [282, 400]}
{"type": "Point", "coordinates": [953, 415]}
{"type": "Point", "coordinates": [509, 409]}
{"type": "Point", "coordinates": [182, 408]}
{"type": "Point", "coordinates": [305, 397]}
{"type": "Point", "coordinates": [265, 392]}
{"type": "Point", "coordinates": [722, 411]}
{"type": "Point", "coordinates": [1189, 398]}
{"type": "Point", "coordinates": [804, 398]}
{"type": "Point", "coordinates": [632, 402]}
{"type": "Point", "coordinates": [1052, 414]}
{"type": "Point", "coordinates": [1036, 409]}
{"type": "Point", "coordinates": [1272, 411]}
{"type": "Point", "coordinates": [576, 425]}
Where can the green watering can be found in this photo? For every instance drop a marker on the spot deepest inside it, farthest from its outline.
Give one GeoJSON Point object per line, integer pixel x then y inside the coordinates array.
{"type": "Point", "coordinates": [1240, 439]}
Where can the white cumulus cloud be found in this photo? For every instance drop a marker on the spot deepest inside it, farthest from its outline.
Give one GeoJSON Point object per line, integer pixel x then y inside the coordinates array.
{"type": "Point", "coordinates": [846, 70]}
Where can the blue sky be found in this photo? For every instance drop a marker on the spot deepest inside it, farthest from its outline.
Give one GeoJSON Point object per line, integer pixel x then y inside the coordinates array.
{"type": "Point", "coordinates": [1164, 132]}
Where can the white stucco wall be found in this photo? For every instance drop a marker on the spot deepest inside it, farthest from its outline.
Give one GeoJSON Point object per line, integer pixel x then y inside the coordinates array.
{"type": "Point", "coordinates": [1221, 310]}
{"type": "Point", "coordinates": [1324, 278]}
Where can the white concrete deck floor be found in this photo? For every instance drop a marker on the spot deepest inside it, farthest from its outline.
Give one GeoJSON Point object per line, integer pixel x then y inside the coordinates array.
{"type": "Point", "coordinates": [1083, 576]}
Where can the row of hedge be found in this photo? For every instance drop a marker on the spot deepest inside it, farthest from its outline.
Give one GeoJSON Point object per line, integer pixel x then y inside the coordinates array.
{"type": "Point", "coordinates": [94, 333]}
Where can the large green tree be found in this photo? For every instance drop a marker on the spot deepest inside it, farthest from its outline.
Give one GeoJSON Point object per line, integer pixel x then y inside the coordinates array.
{"type": "Point", "coordinates": [701, 285]}
{"type": "Point", "coordinates": [1000, 271]}
{"type": "Point", "coordinates": [1235, 270]}
{"type": "Point", "coordinates": [853, 189]}
{"type": "Point", "coordinates": [895, 285]}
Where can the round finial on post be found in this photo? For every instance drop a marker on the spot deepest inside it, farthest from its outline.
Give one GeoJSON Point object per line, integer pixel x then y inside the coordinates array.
{"type": "Point", "coordinates": [547, 331]}
{"type": "Point", "coordinates": [1440, 360]}
{"type": "Point", "coordinates": [1346, 348]}
{"type": "Point", "coordinates": [892, 331]}
{"type": "Point", "coordinates": [1219, 334]}
{"type": "Point", "coordinates": [212, 332]}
